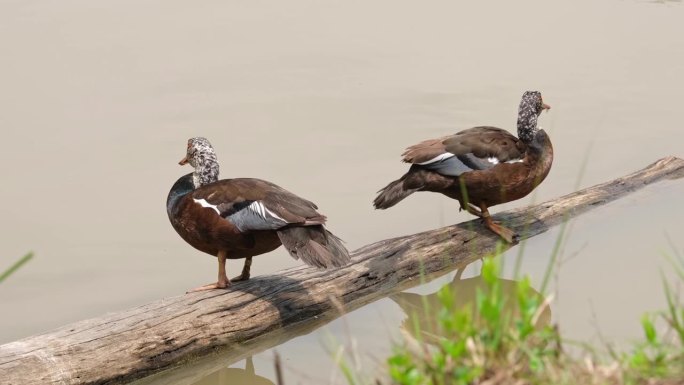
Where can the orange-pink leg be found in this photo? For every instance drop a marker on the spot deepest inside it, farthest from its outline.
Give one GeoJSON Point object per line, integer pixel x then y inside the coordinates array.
{"type": "Point", "coordinates": [223, 281]}
{"type": "Point", "coordinates": [245, 271]}
{"type": "Point", "coordinates": [471, 209]}
{"type": "Point", "coordinates": [507, 234]}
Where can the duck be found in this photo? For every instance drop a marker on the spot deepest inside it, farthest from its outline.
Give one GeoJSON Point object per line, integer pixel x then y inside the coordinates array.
{"type": "Point", "coordinates": [245, 217]}
{"type": "Point", "coordinates": [480, 167]}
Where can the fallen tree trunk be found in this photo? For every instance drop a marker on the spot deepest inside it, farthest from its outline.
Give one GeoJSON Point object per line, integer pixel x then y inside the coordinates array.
{"type": "Point", "coordinates": [268, 310]}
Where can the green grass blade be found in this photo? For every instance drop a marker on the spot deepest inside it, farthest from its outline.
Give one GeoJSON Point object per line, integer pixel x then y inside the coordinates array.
{"type": "Point", "coordinates": [554, 256]}
{"type": "Point", "coordinates": [16, 266]}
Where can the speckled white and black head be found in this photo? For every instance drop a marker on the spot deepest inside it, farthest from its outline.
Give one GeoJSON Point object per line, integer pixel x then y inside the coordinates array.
{"type": "Point", "coordinates": [531, 105]}
{"type": "Point", "coordinates": [202, 157]}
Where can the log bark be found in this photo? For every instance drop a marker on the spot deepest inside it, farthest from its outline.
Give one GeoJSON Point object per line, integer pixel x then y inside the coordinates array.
{"type": "Point", "coordinates": [216, 327]}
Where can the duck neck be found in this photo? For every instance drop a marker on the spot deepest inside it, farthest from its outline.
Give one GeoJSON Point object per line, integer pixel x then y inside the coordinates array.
{"type": "Point", "coordinates": [181, 188]}
{"type": "Point", "coordinates": [540, 146]}
{"type": "Point", "coordinates": [540, 154]}
{"type": "Point", "coordinates": [206, 171]}
{"type": "Point", "coordinates": [527, 127]}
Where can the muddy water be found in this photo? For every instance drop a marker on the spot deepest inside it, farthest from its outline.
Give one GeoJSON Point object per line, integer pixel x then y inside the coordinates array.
{"type": "Point", "coordinates": [98, 100]}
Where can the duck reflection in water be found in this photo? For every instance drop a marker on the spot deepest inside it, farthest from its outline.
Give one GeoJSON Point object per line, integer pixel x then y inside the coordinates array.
{"type": "Point", "coordinates": [235, 376]}
{"type": "Point", "coordinates": [422, 314]}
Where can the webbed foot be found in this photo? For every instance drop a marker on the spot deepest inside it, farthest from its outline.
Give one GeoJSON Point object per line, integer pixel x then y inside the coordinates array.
{"type": "Point", "coordinates": [211, 286]}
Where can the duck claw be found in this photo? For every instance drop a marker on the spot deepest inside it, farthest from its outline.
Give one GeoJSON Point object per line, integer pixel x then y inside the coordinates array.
{"type": "Point", "coordinates": [211, 286]}
{"type": "Point", "coordinates": [507, 234]}
{"type": "Point", "coordinates": [241, 277]}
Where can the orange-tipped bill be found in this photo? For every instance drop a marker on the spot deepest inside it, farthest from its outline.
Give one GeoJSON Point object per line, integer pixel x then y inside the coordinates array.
{"type": "Point", "coordinates": [183, 161]}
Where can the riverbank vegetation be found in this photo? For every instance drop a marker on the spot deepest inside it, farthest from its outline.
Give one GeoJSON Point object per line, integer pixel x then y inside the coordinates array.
{"type": "Point", "coordinates": [506, 337]}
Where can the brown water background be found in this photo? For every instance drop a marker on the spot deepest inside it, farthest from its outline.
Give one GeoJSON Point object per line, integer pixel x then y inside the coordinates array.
{"type": "Point", "coordinates": [321, 97]}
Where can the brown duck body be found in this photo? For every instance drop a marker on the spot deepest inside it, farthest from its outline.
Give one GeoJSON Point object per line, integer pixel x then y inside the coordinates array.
{"type": "Point", "coordinates": [481, 166]}
{"type": "Point", "coordinates": [205, 230]}
{"type": "Point", "coordinates": [520, 168]}
{"type": "Point", "coordinates": [245, 217]}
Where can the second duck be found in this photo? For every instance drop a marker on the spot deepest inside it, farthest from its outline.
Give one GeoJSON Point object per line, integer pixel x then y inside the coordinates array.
{"type": "Point", "coordinates": [480, 167]}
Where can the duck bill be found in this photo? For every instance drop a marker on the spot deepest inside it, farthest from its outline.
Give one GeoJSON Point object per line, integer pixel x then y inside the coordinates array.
{"type": "Point", "coordinates": [183, 161]}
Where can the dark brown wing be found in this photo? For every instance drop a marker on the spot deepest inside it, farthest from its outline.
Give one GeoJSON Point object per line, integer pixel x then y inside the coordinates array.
{"type": "Point", "coordinates": [255, 204]}
{"type": "Point", "coordinates": [482, 142]}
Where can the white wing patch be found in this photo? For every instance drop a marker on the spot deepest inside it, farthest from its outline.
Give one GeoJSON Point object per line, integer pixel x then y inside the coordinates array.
{"type": "Point", "coordinates": [438, 158]}
{"type": "Point", "coordinates": [514, 161]}
{"type": "Point", "coordinates": [262, 210]}
{"type": "Point", "coordinates": [204, 203]}
{"type": "Point", "coordinates": [493, 160]}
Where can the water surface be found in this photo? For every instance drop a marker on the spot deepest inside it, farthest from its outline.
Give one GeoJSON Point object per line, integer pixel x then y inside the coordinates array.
{"type": "Point", "coordinates": [322, 97]}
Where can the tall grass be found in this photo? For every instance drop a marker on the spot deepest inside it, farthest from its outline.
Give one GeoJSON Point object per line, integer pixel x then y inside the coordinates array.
{"type": "Point", "coordinates": [502, 338]}
{"type": "Point", "coordinates": [660, 354]}
{"type": "Point", "coordinates": [497, 336]}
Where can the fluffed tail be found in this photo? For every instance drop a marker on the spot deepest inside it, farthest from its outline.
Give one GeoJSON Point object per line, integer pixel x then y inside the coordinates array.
{"type": "Point", "coordinates": [315, 246]}
{"type": "Point", "coordinates": [392, 194]}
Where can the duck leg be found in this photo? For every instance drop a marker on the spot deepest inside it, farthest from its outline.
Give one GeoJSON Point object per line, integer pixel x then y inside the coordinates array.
{"type": "Point", "coordinates": [507, 234]}
{"type": "Point", "coordinates": [245, 271]}
{"type": "Point", "coordinates": [222, 282]}
{"type": "Point", "coordinates": [471, 209]}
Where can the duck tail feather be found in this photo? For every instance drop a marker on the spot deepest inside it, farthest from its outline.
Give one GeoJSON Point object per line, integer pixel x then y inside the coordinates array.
{"type": "Point", "coordinates": [392, 194]}
{"type": "Point", "coordinates": [315, 246]}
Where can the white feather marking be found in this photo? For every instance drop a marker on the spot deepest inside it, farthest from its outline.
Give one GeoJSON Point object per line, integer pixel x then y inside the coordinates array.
{"type": "Point", "coordinates": [260, 209]}
{"type": "Point", "coordinates": [204, 203]}
{"type": "Point", "coordinates": [493, 160]}
{"type": "Point", "coordinates": [256, 208]}
{"type": "Point", "coordinates": [438, 158]}
{"type": "Point", "coordinates": [274, 215]}
{"type": "Point", "coordinates": [514, 161]}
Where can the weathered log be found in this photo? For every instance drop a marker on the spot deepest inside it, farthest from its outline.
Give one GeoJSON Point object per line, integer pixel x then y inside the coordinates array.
{"type": "Point", "coordinates": [268, 310]}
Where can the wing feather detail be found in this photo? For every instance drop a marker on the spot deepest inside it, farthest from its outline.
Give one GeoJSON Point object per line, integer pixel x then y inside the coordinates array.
{"type": "Point", "coordinates": [254, 217]}
{"type": "Point", "coordinates": [254, 204]}
{"type": "Point", "coordinates": [477, 148]}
